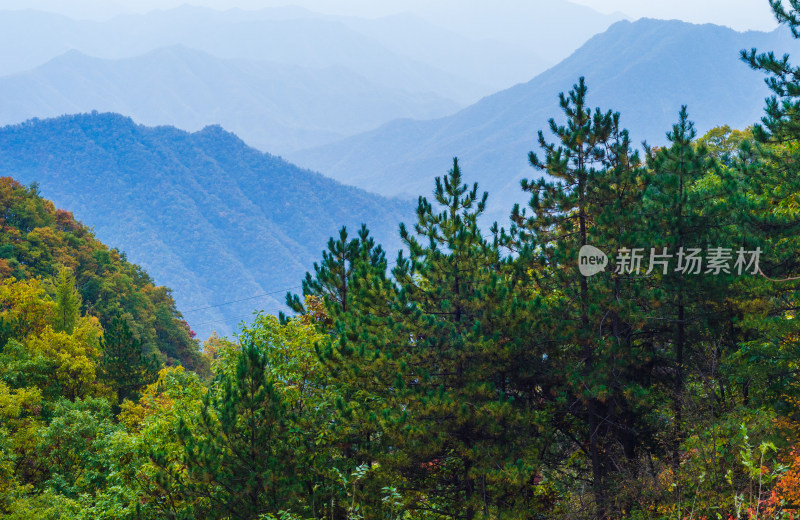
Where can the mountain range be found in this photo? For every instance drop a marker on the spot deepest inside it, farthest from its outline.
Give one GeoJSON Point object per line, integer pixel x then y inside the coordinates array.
{"type": "Point", "coordinates": [453, 48]}
{"type": "Point", "coordinates": [219, 221]}
{"type": "Point", "coordinates": [373, 49]}
{"type": "Point", "coordinates": [275, 107]}
{"type": "Point", "coordinates": [645, 69]}
{"type": "Point", "coordinates": [203, 213]}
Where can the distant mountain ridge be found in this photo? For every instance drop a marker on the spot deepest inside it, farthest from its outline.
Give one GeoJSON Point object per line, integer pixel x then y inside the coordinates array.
{"type": "Point", "coordinates": [205, 214]}
{"type": "Point", "coordinates": [295, 38]}
{"type": "Point", "coordinates": [272, 106]}
{"type": "Point", "coordinates": [459, 50]}
{"type": "Point", "coordinates": [637, 68]}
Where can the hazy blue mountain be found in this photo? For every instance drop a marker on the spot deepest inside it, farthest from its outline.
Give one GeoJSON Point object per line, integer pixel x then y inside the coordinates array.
{"type": "Point", "coordinates": [490, 61]}
{"type": "Point", "coordinates": [272, 106]}
{"type": "Point", "coordinates": [37, 37]}
{"type": "Point", "coordinates": [461, 50]}
{"type": "Point", "coordinates": [286, 36]}
{"type": "Point", "coordinates": [646, 70]}
{"type": "Point", "coordinates": [557, 26]}
{"type": "Point", "coordinates": [204, 214]}
{"type": "Point", "coordinates": [282, 37]}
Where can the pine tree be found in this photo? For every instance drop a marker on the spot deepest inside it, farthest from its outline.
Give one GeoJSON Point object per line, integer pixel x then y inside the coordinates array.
{"type": "Point", "coordinates": [438, 358]}
{"type": "Point", "coordinates": [677, 218]}
{"type": "Point", "coordinates": [773, 183]}
{"type": "Point", "coordinates": [599, 365]}
{"type": "Point", "coordinates": [782, 120]}
{"type": "Point", "coordinates": [237, 458]}
{"type": "Point", "coordinates": [557, 230]}
{"type": "Point", "coordinates": [123, 364]}
{"type": "Point", "coordinates": [351, 280]}
{"type": "Point", "coordinates": [68, 302]}
{"type": "Point", "coordinates": [768, 211]}
{"type": "Point", "coordinates": [333, 277]}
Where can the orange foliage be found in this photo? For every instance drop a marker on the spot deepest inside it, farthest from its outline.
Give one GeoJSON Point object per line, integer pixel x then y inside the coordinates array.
{"type": "Point", "coordinates": [786, 493]}
{"type": "Point", "coordinates": [5, 269]}
{"type": "Point", "coordinates": [316, 313]}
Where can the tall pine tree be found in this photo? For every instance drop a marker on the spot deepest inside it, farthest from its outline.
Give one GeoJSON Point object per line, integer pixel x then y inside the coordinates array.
{"type": "Point", "coordinates": [238, 462]}
{"type": "Point", "coordinates": [599, 365]}
{"type": "Point", "coordinates": [439, 357]}
{"type": "Point", "coordinates": [68, 302]}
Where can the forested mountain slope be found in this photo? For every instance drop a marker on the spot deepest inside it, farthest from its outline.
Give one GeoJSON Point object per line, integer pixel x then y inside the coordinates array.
{"type": "Point", "coordinates": [38, 241]}
{"type": "Point", "coordinates": [205, 214]}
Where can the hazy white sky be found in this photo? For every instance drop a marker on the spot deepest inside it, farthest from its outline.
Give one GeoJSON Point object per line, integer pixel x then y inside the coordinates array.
{"type": "Point", "coordinates": [739, 14]}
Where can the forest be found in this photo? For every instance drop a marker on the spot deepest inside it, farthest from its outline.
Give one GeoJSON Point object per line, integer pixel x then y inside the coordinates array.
{"type": "Point", "coordinates": [488, 371]}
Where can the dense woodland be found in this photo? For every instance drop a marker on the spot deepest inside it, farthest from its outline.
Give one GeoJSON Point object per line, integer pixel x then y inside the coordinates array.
{"type": "Point", "coordinates": [477, 375]}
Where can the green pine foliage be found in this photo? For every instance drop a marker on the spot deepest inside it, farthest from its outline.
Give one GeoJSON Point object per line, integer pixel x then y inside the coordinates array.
{"type": "Point", "coordinates": [124, 365]}
{"type": "Point", "coordinates": [429, 358]}
{"type": "Point", "coordinates": [480, 376]}
{"type": "Point", "coordinates": [238, 463]}
{"type": "Point", "coordinates": [68, 302]}
{"type": "Point", "coordinates": [343, 263]}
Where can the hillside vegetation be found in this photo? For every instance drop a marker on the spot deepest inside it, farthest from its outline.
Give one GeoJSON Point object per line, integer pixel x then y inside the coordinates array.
{"type": "Point", "coordinates": [208, 216]}
{"type": "Point", "coordinates": [624, 345]}
{"type": "Point", "coordinates": [40, 244]}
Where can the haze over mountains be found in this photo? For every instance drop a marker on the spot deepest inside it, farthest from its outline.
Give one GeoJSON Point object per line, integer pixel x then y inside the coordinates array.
{"type": "Point", "coordinates": [402, 52]}
{"type": "Point", "coordinates": [283, 78]}
{"type": "Point", "coordinates": [373, 103]}
{"type": "Point", "coordinates": [636, 68]}
{"type": "Point", "coordinates": [274, 107]}
{"type": "Point", "coordinates": [204, 214]}
{"type": "Point", "coordinates": [448, 34]}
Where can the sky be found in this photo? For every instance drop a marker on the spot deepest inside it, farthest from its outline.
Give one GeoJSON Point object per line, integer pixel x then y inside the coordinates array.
{"type": "Point", "coordinates": [738, 14]}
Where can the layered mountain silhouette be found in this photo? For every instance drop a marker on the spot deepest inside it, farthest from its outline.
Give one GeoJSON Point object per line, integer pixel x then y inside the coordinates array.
{"type": "Point", "coordinates": [288, 36]}
{"type": "Point", "coordinates": [203, 213]}
{"type": "Point", "coordinates": [451, 48]}
{"type": "Point", "coordinates": [220, 221]}
{"type": "Point", "coordinates": [645, 69]}
{"type": "Point", "coordinates": [274, 107]}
